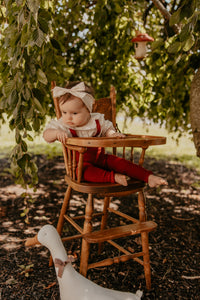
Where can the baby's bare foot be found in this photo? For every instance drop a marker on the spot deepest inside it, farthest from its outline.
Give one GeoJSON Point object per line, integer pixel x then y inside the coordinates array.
{"type": "Point", "coordinates": [155, 181]}
{"type": "Point", "coordinates": [121, 179]}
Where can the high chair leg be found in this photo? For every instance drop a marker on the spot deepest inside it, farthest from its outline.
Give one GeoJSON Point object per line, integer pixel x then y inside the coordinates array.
{"type": "Point", "coordinates": [62, 213]}
{"type": "Point", "coordinates": [104, 219]}
{"type": "Point", "coordinates": [64, 209]}
{"type": "Point", "coordinates": [87, 228]}
{"type": "Point", "coordinates": [142, 208]}
{"type": "Point", "coordinates": [146, 259]}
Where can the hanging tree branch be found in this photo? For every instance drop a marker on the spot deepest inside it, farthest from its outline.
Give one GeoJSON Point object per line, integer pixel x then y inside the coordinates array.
{"type": "Point", "coordinates": [147, 12]}
{"type": "Point", "coordinates": [165, 13]}
{"type": "Point", "coordinates": [162, 9]}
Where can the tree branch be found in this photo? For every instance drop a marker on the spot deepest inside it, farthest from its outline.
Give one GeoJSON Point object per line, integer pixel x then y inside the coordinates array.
{"type": "Point", "coordinates": [146, 12]}
{"type": "Point", "coordinates": [162, 9]}
{"type": "Point", "coordinates": [165, 13]}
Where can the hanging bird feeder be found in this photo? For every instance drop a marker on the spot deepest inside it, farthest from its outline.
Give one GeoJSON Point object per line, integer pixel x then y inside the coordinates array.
{"type": "Point", "coordinates": [140, 42]}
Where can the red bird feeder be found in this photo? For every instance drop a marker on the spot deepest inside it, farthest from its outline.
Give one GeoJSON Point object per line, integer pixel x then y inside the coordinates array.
{"type": "Point", "coordinates": [140, 42]}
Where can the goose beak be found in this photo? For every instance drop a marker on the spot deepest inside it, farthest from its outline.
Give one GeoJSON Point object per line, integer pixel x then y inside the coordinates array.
{"type": "Point", "coordinates": [32, 241]}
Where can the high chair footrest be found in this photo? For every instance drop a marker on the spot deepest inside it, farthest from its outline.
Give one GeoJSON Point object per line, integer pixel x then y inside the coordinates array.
{"type": "Point", "coordinates": [118, 232]}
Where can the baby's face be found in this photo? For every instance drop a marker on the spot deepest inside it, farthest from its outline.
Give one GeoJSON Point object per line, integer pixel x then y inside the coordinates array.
{"type": "Point", "coordinates": [74, 112]}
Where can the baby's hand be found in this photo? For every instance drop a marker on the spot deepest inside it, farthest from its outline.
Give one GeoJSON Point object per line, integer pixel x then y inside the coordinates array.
{"type": "Point", "coordinates": [117, 135]}
{"type": "Point", "coordinates": [61, 136]}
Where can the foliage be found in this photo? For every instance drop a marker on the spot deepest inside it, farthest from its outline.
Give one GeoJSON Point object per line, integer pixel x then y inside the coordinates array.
{"type": "Point", "coordinates": [176, 56]}
{"type": "Point", "coordinates": [64, 40]}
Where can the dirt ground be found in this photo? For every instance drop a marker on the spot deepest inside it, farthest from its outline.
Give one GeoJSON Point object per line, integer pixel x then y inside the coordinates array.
{"type": "Point", "coordinates": [174, 246]}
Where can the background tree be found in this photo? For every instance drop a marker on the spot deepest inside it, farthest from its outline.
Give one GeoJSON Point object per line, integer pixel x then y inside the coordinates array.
{"type": "Point", "coordinates": [65, 40]}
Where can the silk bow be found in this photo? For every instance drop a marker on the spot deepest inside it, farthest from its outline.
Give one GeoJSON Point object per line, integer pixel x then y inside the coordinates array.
{"type": "Point", "coordinates": [60, 264]}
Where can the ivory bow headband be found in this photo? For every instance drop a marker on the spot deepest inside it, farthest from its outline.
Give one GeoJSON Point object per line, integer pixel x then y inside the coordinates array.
{"type": "Point", "coordinates": [77, 91]}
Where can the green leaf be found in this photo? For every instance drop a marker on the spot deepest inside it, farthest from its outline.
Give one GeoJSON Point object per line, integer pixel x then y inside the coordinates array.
{"type": "Point", "coordinates": [23, 161]}
{"type": "Point", "coordinates": [18, 136]}
{"type": "Point", "coordinates": [12, 99]}
{"type": "Point", "coordinates": [38, 93]}
{"type": "Point", "coordinates": [36, 124]}
{"type": "Point", "coordinates": [25, 35]}
{"type": "Point", "coordinates": [33, 5]}
{"type": "Point", "coordinates": [55, 44]}
{"type": "Point", "coordinates": [38, 37]}
{"type": "Point", "coordinates": [189, 43]}
{"type": "Point", "coordinates": [9, 87]}
{"type": "Point", "coordinates": [19, 122]}
{"type": "Point", "coordinates": [12, 124]}
{"type": "Point", "coordinates": [185, 32]}
{"type": "Point", "coordinates": [26, 93]}
{"type": "Point", "coordinates": [175, 47]}
{"type": "Point", "coordinates": [175, 18]}
{"type": "Point", "coordinates": [41, 76]}
{"type": "Point", "coordinates": [45, 14]}
{"type": "Point", "coordinates": [38, 105]}
{"type": "Point", "coordinates": [29, 137]}
{"type": "Point", "coordinates": [28, 127]}
{"type": "Point", "coordinates": [60, 60]}
{"type": "Point", "coordinates": [44, 26]}
{"type": "Point", "coordinates": [157, 44]}
{"type": "Point", "coordinates": [186, 10]}
{"type": "Point", "coordinates": [118, 8]}
{"type": "Point", "coordinates": [24, 146]}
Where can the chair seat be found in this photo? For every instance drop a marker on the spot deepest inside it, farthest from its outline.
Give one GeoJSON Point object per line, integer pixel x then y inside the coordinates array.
{"type": "Point", "coordinates": [118, 232]}
{"type": "Point", "coordinates": [108, 189]}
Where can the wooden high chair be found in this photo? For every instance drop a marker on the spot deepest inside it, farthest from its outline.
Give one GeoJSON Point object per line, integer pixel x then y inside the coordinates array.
{"type": "Point", "coordinates": [133, 226]}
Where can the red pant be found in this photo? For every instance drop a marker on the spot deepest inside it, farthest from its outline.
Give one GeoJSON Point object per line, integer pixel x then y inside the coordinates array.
{"type": "Point", "coordinates": [101, 167]}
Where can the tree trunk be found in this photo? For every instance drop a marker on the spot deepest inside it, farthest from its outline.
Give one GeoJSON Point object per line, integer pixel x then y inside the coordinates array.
{"type": "Point", "coordinates": [195, 110]}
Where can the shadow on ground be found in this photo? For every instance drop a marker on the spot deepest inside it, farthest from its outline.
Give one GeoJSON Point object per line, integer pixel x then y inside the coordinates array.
{"type": "Point", "coordinates": [25, 273]}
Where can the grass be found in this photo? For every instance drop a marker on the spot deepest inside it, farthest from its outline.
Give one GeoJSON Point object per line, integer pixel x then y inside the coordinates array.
{"type": "Point", "coordinates": [182, 151]}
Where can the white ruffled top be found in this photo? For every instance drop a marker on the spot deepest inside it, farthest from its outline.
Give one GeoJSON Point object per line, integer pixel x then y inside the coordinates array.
{"type": "Point", "coordinates": [88, 130]}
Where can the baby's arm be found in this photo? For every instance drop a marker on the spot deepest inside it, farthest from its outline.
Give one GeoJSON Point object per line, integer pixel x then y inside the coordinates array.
{"type": "Point", "coordinates": [113, 133]}
{"type": "Point", "coordinates": [51, 135]}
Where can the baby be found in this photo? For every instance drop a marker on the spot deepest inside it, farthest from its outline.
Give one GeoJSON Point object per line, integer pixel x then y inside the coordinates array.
{"type": "Point", "coordinates": [75, 102]}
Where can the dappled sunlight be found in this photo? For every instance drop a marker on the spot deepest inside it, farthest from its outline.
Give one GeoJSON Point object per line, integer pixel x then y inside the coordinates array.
{"type": "Point", "coordinates": [10, 242]}
{"type": "Point", "coordinates": [174, 208]}
{"type": "Point", "coordinates": [152, 197]}
{"type": "Point", "coordinates": [42, 218]}
{"type": "Point", "coordinates": [31, 230]}
{"type": "Point", "coordinates": [168, 200]}
{"type": "Point", "coordinates": [7, 224]}
{"type": "Point", "coordinates": [18, 190]}
{"type": "Point", "coordinates": [115, 203]}
{"type": "Point", "coordinates": [98, 204]}
{"type": "Point", "coordinates": [178, 199]}
{"type": "Point", "coordinates": [44, 253]}
{"type": "Point", "coordinates": [192, 209]}
{"type": "Point", "coordinates": [3, 237]}
{"type": "Point", "coordinates": [40, 212]}
{"type": "Point", "coordinates": [79, 202]}
{"type": "Point", "coordinates": [9, 246]}
{"type": "Point", "coordinates": [96, 224]}
{"type": "Point", "coordinates": [169, 190]}
{"type": "Point", "coordinates": [12, 229]}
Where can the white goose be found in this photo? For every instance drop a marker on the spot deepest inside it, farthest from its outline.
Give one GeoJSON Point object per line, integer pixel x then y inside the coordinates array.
{"type": "Point", "coordinates": [74, 286]}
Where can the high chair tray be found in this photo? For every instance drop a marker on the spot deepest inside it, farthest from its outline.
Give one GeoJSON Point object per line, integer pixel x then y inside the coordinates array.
{"type": "Point", "coordinates": [129, 141]}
